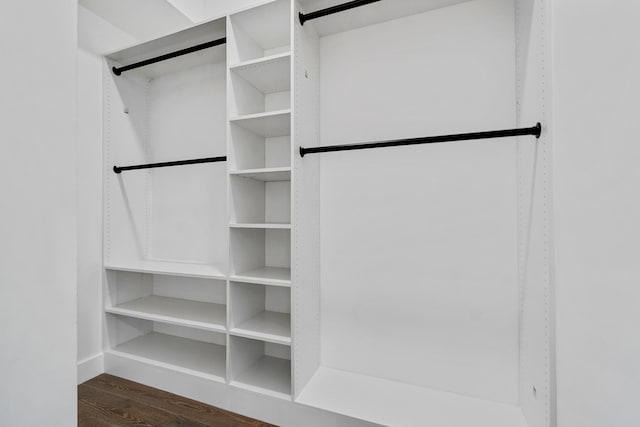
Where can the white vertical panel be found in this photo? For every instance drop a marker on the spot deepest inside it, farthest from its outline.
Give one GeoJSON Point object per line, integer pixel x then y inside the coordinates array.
{"type": "Point", "coordinates": [89, 204]}
{"type": "Point", "coordinates": [534, 212]}
{"type": "Point", "coordinates": [306, 206]}
{"type": "Point", "coordinates": [38, 149]}
{"type": "Point", "coordinates": [419, 244]}
{"type": "Point", "coordinates": [597, 207]}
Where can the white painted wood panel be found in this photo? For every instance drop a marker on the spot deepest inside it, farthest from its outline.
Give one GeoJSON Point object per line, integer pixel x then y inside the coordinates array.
{"type": "Point", "coordinates": [419, 244]}
{"type": "Point", "coordinates": [38, 241]}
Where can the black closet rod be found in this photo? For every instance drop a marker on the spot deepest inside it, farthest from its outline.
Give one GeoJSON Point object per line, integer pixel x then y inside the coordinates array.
{"type": "Point", "coordinates": [119, 70]}
{"type": "Point", "coordinates": [119, 169]}
{"type": "Point", "coordinates": [304, 17]}
{"type": "Point", "coordinates": [536, 131]}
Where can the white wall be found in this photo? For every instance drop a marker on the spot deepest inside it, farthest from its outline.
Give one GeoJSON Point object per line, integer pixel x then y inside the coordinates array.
{"type": "Point", "coordinates": [95, 37]}
{"type": "Point", "coordinates": [419, 244]}
{"type": "Point", "coordinates": [89, 215]}
{"type": "Point", "coordinates": [37, 211]}
{"type": "Point", "coordinates": [143, 19]}
{"type": "Point", "coordinates": [597, 189]}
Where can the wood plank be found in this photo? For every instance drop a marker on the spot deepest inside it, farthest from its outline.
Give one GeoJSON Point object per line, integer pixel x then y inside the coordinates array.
{"type": "Point", "coordinates": [179, 406]}
{"type": "Point", "coordinates": [90, 416]}
{"type": "Point", "coordinates": [116, 410]}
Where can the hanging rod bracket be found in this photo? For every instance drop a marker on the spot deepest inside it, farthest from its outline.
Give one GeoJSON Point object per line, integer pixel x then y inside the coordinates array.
{"type": "Point", "coordinates": [304, 17]}
{"type": "Point", "coordinates": [119, 70]}
{"type": "Point", "coordinates": [535, 131]}
{"type": "Point", "coordinates": [120, 169]}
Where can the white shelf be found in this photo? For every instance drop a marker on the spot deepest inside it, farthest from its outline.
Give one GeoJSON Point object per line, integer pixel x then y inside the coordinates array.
{"type": "Point", "coordinates": [169, 268]}
{"type": "Point", "coordinates": [194, 314]}
{"type": "Point", "coordinates": [265, 276]}
{"type": "Point", "coordinates": [179, 353]}
{"type": "Point", "coordinates": [268, 375]}
{"type": "Point", "coordinates": [271, 226]}
{"type": "Point", "coordinates": [269, 74]}
{"type": "Point", "coordinates": [266, 326]}
{"type": "Point", "coordinates": [266, 174]}
{"type": "Point", "coordinates": [189, 37]}
{"type": "Point", "coordinates": [269, 125]}
{"type": "Point", "coordinates": [398, 404]}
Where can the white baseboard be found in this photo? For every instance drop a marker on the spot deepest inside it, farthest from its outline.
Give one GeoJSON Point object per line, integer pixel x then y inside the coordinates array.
{"type": "Point", "coordinates": [90, 367]}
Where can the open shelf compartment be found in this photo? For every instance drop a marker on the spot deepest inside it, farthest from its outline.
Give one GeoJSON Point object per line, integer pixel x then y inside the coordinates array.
{"type": "Point", "coordinates": [261, 312]}
{"type": "Point", "coordinates": [261, 201]}
{"type": "Point", "coordinates": [190, 302]}
{"type": "Point", "coordinates": [250, 150]}
{"type": "Point", "coordinates": [261, 254]}
{"type": "Point", "coordinates": [169, 219]}
{"type": "Point", "coordinates": [262, 87]}
{"type": "Point", "coordinates": [270, 124]}
{"type": "Point", "coordinates": [188, 350]}
{"type": "Point", "coordinates": [261, 366]}
{"type": "Point", "coordinates": [260, 32]}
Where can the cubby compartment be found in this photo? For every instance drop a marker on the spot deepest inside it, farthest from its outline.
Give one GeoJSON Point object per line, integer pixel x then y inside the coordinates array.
{"type": "Point", "coordinates": [261, 87]}
{"type": "Point", "coordinates": [249, 151]}
{"type": "Point", "coordinates": [259, 201]}
{"type": "Point", "coordinates": [260, 311]}
{"type": "Point", "coordinates": [167, 218]}
{"type": "Point", "coordinates": [188, 350]}
{"type": "Point", "coordinates": [260, 33]}
{"type": "Point", "coordinates": [261, 255]}
{"type": "Point", "coordinates": [184, 301]}
{"type": "Point", "coordinates": [260, 366]}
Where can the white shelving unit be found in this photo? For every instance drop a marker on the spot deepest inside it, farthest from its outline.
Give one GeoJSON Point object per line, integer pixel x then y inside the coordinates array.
{"type": "Point", "coordinates": [260, 178]}
{"type": "Point", "coordinates": [350, 284]}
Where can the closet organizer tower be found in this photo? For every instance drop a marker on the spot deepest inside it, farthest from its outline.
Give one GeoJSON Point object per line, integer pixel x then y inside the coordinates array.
{"type": "Point", "coordinates": [283, 223]}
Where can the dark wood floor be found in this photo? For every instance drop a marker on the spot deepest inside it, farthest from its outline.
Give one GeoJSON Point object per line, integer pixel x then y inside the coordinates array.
{"type": "Point", "coordinates": [111, 401]}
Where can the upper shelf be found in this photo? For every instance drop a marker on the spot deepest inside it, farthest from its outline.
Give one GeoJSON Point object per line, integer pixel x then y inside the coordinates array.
{"type": "Point", "coordinates": [203, 271]}
{"type": "Point", "coordinates": [269, 75]}
{"type": "Point", "coordinates": [369, 14]}
{"type": "Point", "coordinates": [260, 32]}
{"type": "Point", "coordinates": [202, 33]}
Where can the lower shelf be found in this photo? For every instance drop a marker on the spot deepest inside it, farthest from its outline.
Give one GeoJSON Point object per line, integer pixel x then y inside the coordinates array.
{"type": "Point", "coordinates": [185, 354]}
{"type": "Point", "coordinates": [398, 404]}
{"type": "Point", "coordinates": [194, 314]}
{"type": "Point", "coordinates": [270, 375]}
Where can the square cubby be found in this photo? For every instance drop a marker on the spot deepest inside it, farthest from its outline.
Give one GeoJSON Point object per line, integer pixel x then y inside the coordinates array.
{"type": "Point", "coordinates": [260, 311]}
